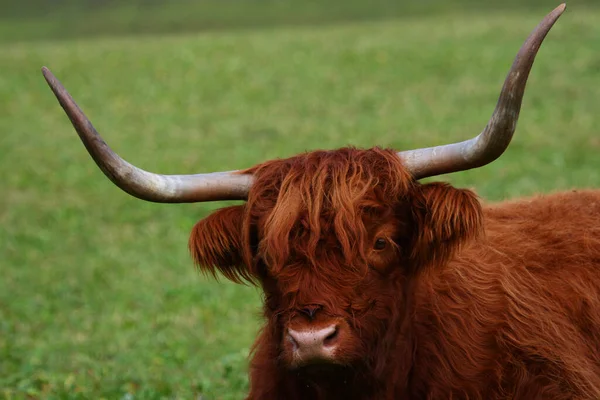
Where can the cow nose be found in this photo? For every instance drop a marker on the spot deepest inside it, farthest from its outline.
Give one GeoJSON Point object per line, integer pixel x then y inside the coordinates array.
{"type": "Point", "coordinates": [314, 343]}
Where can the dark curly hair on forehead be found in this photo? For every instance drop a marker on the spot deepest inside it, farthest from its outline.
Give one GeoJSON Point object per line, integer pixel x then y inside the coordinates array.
{"type": "Point", "coordinates": [320, 198]}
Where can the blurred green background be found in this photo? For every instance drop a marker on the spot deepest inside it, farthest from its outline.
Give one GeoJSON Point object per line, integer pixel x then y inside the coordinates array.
{"type": "Point", "coordinates": [35, 19]}
{"type": "Point", "coordinates": [98, 295]}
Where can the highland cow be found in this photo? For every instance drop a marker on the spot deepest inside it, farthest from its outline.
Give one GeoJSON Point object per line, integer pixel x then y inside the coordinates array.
{"type": "Point", "coordinates": [378, 286]}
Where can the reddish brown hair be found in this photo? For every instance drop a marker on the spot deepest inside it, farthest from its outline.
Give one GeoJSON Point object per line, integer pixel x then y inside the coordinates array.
{"type": "Point", "coordinates": [501, 302]}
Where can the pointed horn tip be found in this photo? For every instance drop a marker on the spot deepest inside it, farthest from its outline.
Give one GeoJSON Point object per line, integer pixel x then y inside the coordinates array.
{"type": "Point", "coordinates": [50, 78]}
{"type": "Point", "coordinates": [46, 72]}
{"type": "Point", "coordinates": [559, 10]}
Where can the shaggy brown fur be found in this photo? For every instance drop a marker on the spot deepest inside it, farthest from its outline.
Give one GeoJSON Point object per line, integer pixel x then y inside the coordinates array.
{"type": "Point", "coordinates": [465, 301]}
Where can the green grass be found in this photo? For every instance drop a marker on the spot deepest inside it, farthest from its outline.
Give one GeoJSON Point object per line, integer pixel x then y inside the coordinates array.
{"type": "Point", "coordinates": [98, 296]}
{"type": "Point", "coordinates": [44, 19]}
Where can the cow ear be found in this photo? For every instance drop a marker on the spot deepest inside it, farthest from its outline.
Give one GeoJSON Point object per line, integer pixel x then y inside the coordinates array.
{"type": "Point", "coordinates": [216, 244]}
{"type": "Point", "coordinates": [445, 218]}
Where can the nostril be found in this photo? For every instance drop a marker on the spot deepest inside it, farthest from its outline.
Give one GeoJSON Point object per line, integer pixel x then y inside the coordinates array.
{"type": "Point", "coordinates": [291, 339]}
{"type": "Point", "coordinates": [329, 339]}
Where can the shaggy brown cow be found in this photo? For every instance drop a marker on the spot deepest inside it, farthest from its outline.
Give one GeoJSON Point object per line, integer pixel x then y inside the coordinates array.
{"type": "Point", "coordinates": [380, 287]}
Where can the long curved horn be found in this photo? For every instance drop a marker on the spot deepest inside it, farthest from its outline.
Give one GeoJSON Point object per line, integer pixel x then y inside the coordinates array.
{"type": "Point", "coordinates": [230, 185]}
{"type": "Point", "coordinates": [495, 138]}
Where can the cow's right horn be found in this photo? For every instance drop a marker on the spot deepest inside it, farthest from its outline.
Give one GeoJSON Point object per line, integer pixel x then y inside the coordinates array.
{"type": "Point", "coordinates": [495, 138]}
{"type": "Point", "coordinates": [230, 185]}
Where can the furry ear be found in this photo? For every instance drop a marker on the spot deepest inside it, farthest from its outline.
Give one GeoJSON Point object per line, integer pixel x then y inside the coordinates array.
{"type": "Point", "coordinates": [445, 218]}
{"type": "Point", "coordinates": [216, 244]}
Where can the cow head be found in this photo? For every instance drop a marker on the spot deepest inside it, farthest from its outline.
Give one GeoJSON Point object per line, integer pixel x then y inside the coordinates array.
{"type": "Point", "coordinates": [332, 237]}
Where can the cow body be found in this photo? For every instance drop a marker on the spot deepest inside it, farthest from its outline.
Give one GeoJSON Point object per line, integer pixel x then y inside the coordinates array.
{"type": "Point", "coordinates": [478, 302]}
{"type": "Point", "coordinates": [515, 315]}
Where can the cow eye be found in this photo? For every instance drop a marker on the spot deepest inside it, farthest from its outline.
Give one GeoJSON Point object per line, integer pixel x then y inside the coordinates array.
{"type": "Point", "coordinates": [380, 244]}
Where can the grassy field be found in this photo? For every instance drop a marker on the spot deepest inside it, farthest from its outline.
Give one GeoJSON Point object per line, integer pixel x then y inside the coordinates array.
{"type": "Point", "coordinates": [26, 20]}
{"type": "Point", "coordinates": [98, 296]}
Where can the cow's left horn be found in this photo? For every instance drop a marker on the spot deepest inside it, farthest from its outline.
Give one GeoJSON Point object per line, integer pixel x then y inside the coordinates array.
{"type": "Point", "coordinates": [495, 138]}
{"type": "Point", "coordinates": [145, 185]}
